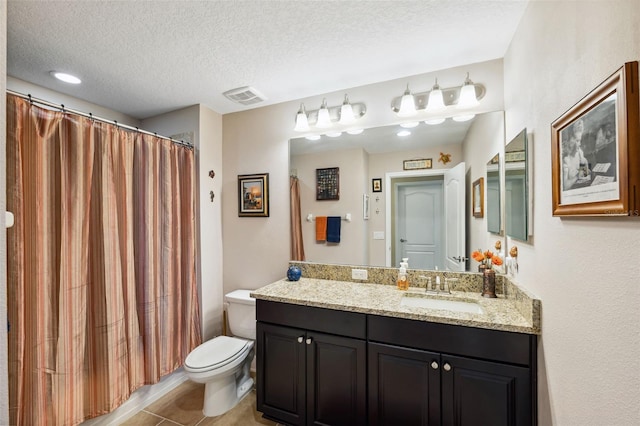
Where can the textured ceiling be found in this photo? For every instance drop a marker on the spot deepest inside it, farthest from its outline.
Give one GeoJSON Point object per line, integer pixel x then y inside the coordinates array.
{"type": "Point", "coordinates": [144, 58]}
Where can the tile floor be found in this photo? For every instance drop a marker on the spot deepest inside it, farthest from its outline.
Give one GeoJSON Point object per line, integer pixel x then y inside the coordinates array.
{"type": "Point", "coordinates": [183, 406]}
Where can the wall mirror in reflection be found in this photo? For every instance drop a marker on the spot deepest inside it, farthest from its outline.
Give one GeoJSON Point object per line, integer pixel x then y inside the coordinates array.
{"type": "Point", "coordinates": [516, 187]}
{"type": "Point", "coordinates": [493, 195]}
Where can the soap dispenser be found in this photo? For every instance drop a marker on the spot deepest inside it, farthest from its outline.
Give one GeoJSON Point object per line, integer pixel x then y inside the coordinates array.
{"type": "Point", "coordinates": [403, 279]}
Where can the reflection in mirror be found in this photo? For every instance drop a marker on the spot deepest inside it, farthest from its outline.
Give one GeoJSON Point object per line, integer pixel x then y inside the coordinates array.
{"type": "Point", "coordinates": [373, 163]}
{"type": "Point", "coordinates": [516, 186]}
{"type": "Point", "coordinates": [493, 195]}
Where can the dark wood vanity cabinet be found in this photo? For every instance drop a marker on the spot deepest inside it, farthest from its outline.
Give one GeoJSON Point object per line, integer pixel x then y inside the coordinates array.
{"type": "Point", "coordinates": [423, 373]}
{"type": "Point", "coordinates": [305, 375]}
{"type": "Point", "coordinates": [328, 367]}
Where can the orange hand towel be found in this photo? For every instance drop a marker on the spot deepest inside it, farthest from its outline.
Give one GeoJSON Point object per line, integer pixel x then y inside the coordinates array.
{"type": "Point", "coordinates": [321, 228]}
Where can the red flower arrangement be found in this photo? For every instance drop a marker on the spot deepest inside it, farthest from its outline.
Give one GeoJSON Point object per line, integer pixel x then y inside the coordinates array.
{"type": "Point", "coordinates": [487, 258]}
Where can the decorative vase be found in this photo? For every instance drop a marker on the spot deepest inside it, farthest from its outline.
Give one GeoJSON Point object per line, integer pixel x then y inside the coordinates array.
{"type": "Point", "coordinates": [294, 273]}
{"type": "Point", "coordinates": [489, 283]}
{"type": "Point", "coordinates": [482, 267]}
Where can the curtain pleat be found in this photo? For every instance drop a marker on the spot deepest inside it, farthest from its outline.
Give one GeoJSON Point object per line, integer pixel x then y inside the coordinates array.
{"type": "Point", "coordinates": [101, 265]}
{"type": "Point", "coordinates": [297, 244]}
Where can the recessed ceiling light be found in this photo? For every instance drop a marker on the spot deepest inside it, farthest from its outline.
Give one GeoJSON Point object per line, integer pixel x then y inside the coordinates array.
{"type": "Point", "coordinates": [409, 125]}
{"type": "Point", "coordinates": [67, 78]}
{"type": "Point", "coordinates": [465, 117]}
{"type": "Point", "coordinates": [334, 134]}
{"type": "Point", "coordinates": [403, 133]}
{"type": "Point", "coordinates": [312, 137]}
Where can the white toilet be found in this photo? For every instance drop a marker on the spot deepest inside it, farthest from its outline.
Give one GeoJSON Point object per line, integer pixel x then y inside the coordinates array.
{"type": "Point", "coordinates": [223, 363]}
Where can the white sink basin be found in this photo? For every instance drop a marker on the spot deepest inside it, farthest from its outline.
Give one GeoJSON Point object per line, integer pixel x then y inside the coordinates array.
{"type": "Point", "coordinates": [418, 301]}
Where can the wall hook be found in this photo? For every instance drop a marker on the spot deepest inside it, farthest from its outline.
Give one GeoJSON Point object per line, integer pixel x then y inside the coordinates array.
{"type": "Point", "coordinates": [212, 174]}
{"type": "Point", "coordinates": [212, 195]}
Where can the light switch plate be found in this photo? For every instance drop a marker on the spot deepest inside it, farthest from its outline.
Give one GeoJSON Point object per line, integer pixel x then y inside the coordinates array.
{"type": "Point", "coordinates": [378, 235]}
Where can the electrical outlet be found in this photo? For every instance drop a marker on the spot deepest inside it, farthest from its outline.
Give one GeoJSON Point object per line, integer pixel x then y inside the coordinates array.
{"type": "Point", "coordinates": [359, 274]}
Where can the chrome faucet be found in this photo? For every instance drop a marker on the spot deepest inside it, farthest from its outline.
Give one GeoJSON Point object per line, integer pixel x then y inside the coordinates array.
{"type": "Point", "coordinates": [440, 286]}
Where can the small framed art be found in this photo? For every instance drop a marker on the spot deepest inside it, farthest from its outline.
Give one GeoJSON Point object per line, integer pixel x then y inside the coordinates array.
{"type": "Point", "coordinates": [328, 184]}
{"type": "Point", "coordinates": [376, 185]}
{"type": "Point", "coordinates": [478, 198]}
{"type": "Point", "coordinates": [253, 195]}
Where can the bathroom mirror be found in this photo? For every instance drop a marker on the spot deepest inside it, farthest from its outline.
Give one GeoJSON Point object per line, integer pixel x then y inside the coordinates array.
{"type": "Point", "coordinates": [493, 195]}
{"type": "Point", "coordinates": [516, 187]}
{"type": "Point", "coordinates": [365, 161]}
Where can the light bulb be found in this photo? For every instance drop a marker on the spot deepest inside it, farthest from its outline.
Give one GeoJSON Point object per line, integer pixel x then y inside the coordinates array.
{"type": "Point", "coordinates": [302, 123]}
{"type": "Point", "coordinates": [467, 98]}
{"type": "Point", "coordinates": [407, 104]}
{"type": "Point", "coordinates": [436, 101]}
{"type": "Point", "coordinates": [434, 121]}
{"type": "Point", "coordinates": [346, 112]}
{"type": "Point", "coordinates": [324, 120]}
{"type": "Point", "coordinates": [355, 131]}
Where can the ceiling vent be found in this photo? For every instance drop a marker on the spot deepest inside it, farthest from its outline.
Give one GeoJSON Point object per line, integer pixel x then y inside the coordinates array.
{"type": "Point", "coordinates": [244, 95]}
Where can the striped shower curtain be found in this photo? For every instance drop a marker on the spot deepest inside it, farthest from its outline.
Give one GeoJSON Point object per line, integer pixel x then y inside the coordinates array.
{"type": "Point", "coordinates": [102, 294]}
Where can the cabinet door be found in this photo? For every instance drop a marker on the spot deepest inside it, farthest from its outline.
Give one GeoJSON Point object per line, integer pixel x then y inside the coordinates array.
{"type": "Point", "coordinates": [484, 393]}
{"type": "Point", "coordinates": [336, 380]}
{"type": "Point", "coordinates": [281, 373]}
{"type": "Point", "coordinates": [404, 386]}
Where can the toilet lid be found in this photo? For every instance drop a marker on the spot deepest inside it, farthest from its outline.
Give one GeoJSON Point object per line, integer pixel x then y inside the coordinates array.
{"type": "Point", "coordinates": [215, 353]}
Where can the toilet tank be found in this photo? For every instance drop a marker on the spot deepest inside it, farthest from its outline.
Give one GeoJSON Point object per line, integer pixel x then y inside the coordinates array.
{"type": "Point", "coordinates": [241, 313]}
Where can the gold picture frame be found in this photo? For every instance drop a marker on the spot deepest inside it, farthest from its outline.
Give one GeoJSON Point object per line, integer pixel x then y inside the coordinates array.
{"type": "Point", "coordinates": [477, 208]}
{"type": "Point", "coordinates": [595, 153]}
{"type": "Point", "coordinates": [417, 164]}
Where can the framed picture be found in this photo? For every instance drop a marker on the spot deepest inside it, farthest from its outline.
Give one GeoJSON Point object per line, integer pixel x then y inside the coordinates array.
{"type": "Point", "coordinates": [253, 195]}
{"type": "Point", "coordinates": [478, 198]}
{"type": "Point", "coordinates": [328, 184]}
{"type": "Point", "coordinates": [422, 163]}
{"type": "Point", "coordinates": [376, 185]}
{"type": "Point", "coordinates": [595, 153]}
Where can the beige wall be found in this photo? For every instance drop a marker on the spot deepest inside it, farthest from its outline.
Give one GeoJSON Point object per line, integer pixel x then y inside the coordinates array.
{"type": "Point", "coordinates": [586, 271]}
{"type": "Point", "coordinates": [4, 391]}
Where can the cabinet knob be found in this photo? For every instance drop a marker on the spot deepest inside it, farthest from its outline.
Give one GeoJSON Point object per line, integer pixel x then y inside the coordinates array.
{"type": "Point", "coordinates": [309, 340]}
{"type": "Point", "coordinates": [300, 339]}
{"type": "Point", "coordinates": [434, 365]}
{"type": "Point", "coordinates": [447, 366]}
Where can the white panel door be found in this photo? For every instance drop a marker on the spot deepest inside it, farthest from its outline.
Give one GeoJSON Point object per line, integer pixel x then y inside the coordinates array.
{"type": "Point", "coordinates": [419, 234]}
{"type": "Point", "coordinates": [454, 212]}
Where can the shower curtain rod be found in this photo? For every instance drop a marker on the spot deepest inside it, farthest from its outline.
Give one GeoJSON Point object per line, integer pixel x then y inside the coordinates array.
{"type": "Point", "coordinates": [62, 108]}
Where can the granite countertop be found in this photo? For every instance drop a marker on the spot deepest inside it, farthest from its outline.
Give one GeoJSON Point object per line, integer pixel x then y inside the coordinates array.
{"type": "Point", "coordinates": [498, 314]}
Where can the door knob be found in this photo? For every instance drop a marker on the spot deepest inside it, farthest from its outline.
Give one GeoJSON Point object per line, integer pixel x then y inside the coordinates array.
{"type": "Point", "coordinates": [447, 366]}
{"type": "Point", "coordinates": [402, 240]}
{"type": "Point", "coordinates": [309, 340]}
{"type": "Point", "coordinates": [434, 365]}
{"type": "Point", "coordinates": [300, 339]}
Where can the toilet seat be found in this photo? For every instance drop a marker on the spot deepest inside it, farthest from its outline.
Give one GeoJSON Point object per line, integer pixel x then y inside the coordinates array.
{"type": "Point", "coordinates": [216, 353]}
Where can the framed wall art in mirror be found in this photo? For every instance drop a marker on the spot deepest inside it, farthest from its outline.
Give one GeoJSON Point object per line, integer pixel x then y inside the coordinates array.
{"type": "Point", "coordinates": [328, 184]}
{"type": "Point", "coordinates": [478, 198]}
{"type": "Point", "coordinates": [493, 207]}
{"type": "Point", "coordinates": [595, 150]}
{"type": "Point", "coordinates": [376, 185]}
{"type": "Point", "coordinates": [253, 195]}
